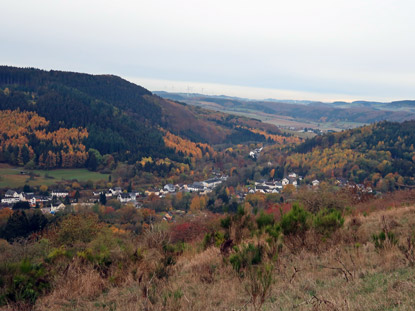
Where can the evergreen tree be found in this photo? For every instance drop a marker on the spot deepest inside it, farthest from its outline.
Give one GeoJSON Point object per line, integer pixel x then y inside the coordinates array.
{"type": "Point", "coordinates": [67, 200]}
{"type": "Point", "coordinates": [21, 205]}
{"type": "Point", "coordinates": [26, 188]}
{"type": "Point", "coordinates": [77, 195]}
{"type": "Point", "coordinates": [25, 154]}
{"type": "Point", "coordinates": [37, 222]}
{"type": "Point", "coordinates": [17, 226]}
{"type": "Point", "coordinates": [102, 199]}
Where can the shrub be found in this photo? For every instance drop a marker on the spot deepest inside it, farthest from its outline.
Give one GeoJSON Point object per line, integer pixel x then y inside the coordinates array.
{"type": "Point", "coordinates": [258, 284]}
{"type": "Point", "coordinates": [107, 249]}
{"type": "Point", "coordinates": [226, 222]}
{"type": "Point", "coordinates": [273, 240]}
{"type": "Point", "coordinates": [78, 228]}
{"type": "Point", "coordinates": [328, 221]}
{"type": "Point", "coordinates": [246, 256]}
{"type": "Point", "coordinates": [296, 221]}
{"type": "Point", "coordinates": [324, 197]}
{"type": "Point", "coordinates": [264, 220]}
{"type": "Point", "coordinates": [254, 272]}
{"type": "Point", "coordinates": [214, 238]}
{"type": "Point", "coordinates": [27, 283]}
{"type": "Point", "coordinates": [187, 231]}
{"type": "Point", "coordinates": [170, 254]}
{"type": "Point", "coordinates": [240, 211]}
{"type": "Point", "coordinates": [60, 252]}
{"type": "Point", "coordinates": [384, 239]}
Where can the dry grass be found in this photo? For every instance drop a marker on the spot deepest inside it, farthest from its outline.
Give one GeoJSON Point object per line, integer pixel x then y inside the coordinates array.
{"type": "Point", "coordinates": [72, 286]}
{"type": "Point", "coordinates": [347, 274]}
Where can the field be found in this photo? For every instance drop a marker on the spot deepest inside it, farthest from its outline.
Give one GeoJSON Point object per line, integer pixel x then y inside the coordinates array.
{"type": "Point", "coordinates": [277, 120]}
{"type": "Point", "coordinates": [11, 177]}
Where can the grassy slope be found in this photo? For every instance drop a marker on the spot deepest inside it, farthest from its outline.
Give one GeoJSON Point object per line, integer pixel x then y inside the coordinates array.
{"type": "Point", "coordinates": [10, 176]}
{"type": "Point", "coordinates": [376, 280]}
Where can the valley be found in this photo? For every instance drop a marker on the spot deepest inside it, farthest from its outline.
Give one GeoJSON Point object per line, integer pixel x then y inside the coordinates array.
{"type": "Point", "coordinates": [114, 197]}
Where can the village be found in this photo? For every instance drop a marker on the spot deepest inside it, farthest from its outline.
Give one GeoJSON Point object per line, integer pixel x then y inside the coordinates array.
{"type": "Point", "coordinates": [56, 200]}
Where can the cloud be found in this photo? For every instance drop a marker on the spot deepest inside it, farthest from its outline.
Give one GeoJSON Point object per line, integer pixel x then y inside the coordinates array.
{"type": "Point", "coordinates": [360, 48]}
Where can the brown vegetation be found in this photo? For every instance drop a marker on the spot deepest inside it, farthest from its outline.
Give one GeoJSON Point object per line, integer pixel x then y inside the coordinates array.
{"type": "Point", "coordinates": [180, 267]}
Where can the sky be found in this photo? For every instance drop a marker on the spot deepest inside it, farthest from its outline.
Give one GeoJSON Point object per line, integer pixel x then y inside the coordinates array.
{"type": "Point", "coordinates": [299, 49]}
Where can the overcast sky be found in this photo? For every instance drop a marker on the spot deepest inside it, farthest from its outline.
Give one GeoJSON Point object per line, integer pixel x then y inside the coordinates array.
{"type": "Point", "coordinates": [319, 49]}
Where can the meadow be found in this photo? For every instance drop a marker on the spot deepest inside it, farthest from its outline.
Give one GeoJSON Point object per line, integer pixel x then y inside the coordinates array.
{"type": "Point", "coordinates": [12, 177]}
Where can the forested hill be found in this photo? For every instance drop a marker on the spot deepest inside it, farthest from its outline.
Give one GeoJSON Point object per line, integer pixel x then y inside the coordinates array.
{"type": "Point", "coordinates": [121, 119]}
{"type": "Point", "coordinates": [382, 154]}
{"type": "Point", "coordinates": [118, 116]}
{"type": "Point", "coordinates": [397, 138]}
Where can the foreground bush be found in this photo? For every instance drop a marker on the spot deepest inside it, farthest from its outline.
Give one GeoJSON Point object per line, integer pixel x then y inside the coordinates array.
{"type": "Point", "coordinates": [328, 221]}
{"type": "Point", "coordinates": [22, 283]}
{"type": "Point", "coordinates": [296, 222]}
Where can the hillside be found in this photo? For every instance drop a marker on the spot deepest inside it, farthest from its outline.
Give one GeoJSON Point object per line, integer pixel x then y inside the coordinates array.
{"type": "Point", "coordinates": [122, 119]}
{"type": "Point", "coordinates": [327, 259]}
{"type": "Point", "coordinates": [382, 154]}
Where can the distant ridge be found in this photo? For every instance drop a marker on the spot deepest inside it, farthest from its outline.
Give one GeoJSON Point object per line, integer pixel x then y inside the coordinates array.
{"type": "Point", "coordinates": [359, 112]}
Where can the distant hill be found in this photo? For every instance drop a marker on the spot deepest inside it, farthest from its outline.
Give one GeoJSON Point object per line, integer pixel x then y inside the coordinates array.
{"type": "Point", "coordinates": [122, 119]}
{"type": "Point", "coordinates": [402, 103]}
{"type": "Point", "coordinates": [359, 112]}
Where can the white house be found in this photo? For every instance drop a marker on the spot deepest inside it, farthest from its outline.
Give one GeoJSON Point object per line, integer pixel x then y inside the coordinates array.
{"type": "Point", "coordinates": [115, 191]}
{"type": "Point", "coordinates": [125, 198]}
{"type": "Point", "coordinates": [31, 198]}
{"type": "Point", "coordinates": [278, 185]}
{"type": "Point", "coordinates": [271, 185]}
{"type": "Point", "coordinates": [133, 195]}
{"type": "Point", "coordinates": [59, 193]}
{"type": "Point", "coordinates": [293, 181]}
{"type": "Point", "coordinates": [224, 177]}
{"type": "Point", "coordinates": [255, 153]}
{"type": "Point", "coordinates": [260, 182]}
{"type": "Point", "coordinates": [292, 175]}
{"type": "Point", "coordinates": [196, 187]}
{"type": "Point", "coordinates": [170, 188]}
{"type": "Point", "coordinates": [108, 194]}
{"type": "Point", "coordinates": [262, 189]}
{"type": "Point", "coordinates": [315, 183]}
{"type": "Point", "coordinates": [285, 182]}
{"type": "Point", "coordinates": [11, 194]}
{"type": "Point", "coordinates": [211, 183]}
{"type": "Point", "coordinates": [10, 200]}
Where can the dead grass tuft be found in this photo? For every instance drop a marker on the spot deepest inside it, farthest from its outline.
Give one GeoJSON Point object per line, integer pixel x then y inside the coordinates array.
{"type": "Point", "coordinates": [77, 283]}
